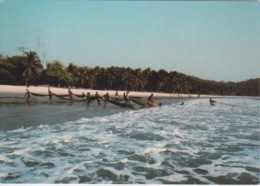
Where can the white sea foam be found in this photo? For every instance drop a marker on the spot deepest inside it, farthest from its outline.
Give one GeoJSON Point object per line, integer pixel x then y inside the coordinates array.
{"type": "Point", "coordinates": [172, 143]}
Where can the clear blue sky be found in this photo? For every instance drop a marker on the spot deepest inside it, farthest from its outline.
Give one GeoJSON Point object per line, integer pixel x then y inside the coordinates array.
{"type": "Point", "coordinates": [210, 40]}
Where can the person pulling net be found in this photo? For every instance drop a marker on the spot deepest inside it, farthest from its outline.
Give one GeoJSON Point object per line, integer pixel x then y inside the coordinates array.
{"type": "Point", "coordinates": [212, 102]}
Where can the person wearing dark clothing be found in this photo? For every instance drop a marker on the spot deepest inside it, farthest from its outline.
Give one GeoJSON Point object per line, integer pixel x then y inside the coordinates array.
{"type": "Point", "coordinates": [88, 98]}
{"type": "Point", "coordinates": [127, 97]}
{"type": "Point", "coordinates": [97, 97]}
{"type": "Point", "coordinates": [124, 96]}
{"type": "Point", "coordinates": [84, 96]}
{"type": "Point", "coordinates": [106, 97]}
{"type": "Point", "coordinates": [50, 95]}
{"type": "Point", "coordinates": [211, 102]}
{"type": "Point", "coordinates": [70, 96]}
{"type": "Point", "coordinates": [27, 96]}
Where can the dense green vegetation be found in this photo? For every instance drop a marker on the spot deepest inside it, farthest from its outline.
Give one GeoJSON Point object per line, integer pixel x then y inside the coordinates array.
{"type": "Point", "coordinates": [28, 70]}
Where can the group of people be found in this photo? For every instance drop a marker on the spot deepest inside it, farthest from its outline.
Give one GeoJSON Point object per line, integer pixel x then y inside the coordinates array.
{"type": "Point", "coordinates": [89, 98]}
{"type": "Point", "coordinates": [97, 97]}
{"type": "Point", "coordinates": [105, 97]}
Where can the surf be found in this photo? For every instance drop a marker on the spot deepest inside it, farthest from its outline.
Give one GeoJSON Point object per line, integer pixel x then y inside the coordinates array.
{"type": "Point", "coordinates": [190, 143]}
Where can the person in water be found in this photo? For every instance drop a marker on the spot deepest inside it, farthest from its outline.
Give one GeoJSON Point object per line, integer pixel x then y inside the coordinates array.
{"type": "Point", "coordinates": [211, 101]}
{"type": "Point", "coordinates": [127, 97]}
{"type": "Point", "coordinates": [117, 96]}
{"type": "Point", "coordinates": [97, 97]}
{"type": "Point", "coordinates": [150, 101]}
{"type": "Point", "coordinates": [70, 96]}
{"type": "Point", "coordinates": [124, 96]}
{"type": "Point", "coordinates": [27, 96]}
{"type": "Point", "coordinates": [88, 98]}
{"type": "Point", "coordinates": [106, 97]}
{"type": "Point", "coordinates": [84, 96]}
{"type": "Point", "coordinates": [50, 95]}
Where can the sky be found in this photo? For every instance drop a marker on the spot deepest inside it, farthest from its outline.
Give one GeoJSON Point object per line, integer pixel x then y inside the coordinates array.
{"type": "Point", "coordinates": [213, 40]}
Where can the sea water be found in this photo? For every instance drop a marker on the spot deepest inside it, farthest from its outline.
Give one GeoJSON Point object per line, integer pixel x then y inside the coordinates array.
{"type": "Point", "coordinates": [194, 143]}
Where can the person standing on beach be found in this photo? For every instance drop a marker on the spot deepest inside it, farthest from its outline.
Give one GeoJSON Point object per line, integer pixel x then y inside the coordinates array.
{"type": "Point", "coordinates": [150, 101]}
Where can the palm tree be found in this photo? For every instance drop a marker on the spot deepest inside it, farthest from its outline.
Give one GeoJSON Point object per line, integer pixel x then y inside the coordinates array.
{"type": "Point", "coordinates": [127, 79]}
{"type": "Point", "coordinates": [33, 66]}
{"type": "Point", "coordinates": [95, 73]}
{"type": "Point", "coordinates": [113, 77]}
{"type": "Point", "coordinates": [56, 74]}
{"type": "Point", "coordinates": [6, 75]}
{"type": "Point", "coordinates": [162, 77]}
{"type": "Point", "coordinates": [72, 68]}
{"type": "Point", "coordinates": [83, 76]}
{"type": "Point", "coordinates": [147, 75]}
{"type": "Point", "coordinates": [139, 80]}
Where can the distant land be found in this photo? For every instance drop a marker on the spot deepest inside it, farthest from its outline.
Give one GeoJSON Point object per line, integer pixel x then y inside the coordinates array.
{"type": "Point", "coordinates": [27, 69]}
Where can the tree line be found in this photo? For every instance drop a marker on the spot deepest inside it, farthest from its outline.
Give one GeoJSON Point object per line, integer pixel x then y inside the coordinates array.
{"type": "Point", "coordinates": [27, 69]}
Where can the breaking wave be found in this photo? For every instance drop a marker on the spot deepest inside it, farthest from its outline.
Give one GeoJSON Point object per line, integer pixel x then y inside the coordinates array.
{"type": "Point", "coordinates": [192, 143]}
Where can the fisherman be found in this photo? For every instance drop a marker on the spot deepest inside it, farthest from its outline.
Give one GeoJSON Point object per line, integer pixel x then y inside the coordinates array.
{"type": "Point", "coordinates": [106, 97]}
{"type": "Point", "coordinates": [127, 97]}
{"type": "Point", "coordinates": [84, 96]}
{"type": "Point", "coordinates": [117, 96]}
{"type": "Point", "coordinates": [70, 96]}
{"type": "Point", "coordinates": [27, 96]}
{"type": "Point", "coordinates": [150, 101]}
{"type": "Point", "coordinates": [212, 102]}
{"type": "Point", "coordinates": [124, 96]}
{"type": "Point", "coordinates": [97, 97]}
{"type": "Point", "coordinates": [50, 95]}
{"type": "Point", "coordinates": [88, 98]}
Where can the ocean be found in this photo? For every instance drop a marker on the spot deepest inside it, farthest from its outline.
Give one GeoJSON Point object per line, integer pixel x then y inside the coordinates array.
{"type": "Point", "coordinates": [194, 143]}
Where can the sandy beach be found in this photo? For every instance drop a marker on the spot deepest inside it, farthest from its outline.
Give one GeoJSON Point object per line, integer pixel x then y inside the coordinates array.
{"type": "Point", "coordinates": [11, 89]}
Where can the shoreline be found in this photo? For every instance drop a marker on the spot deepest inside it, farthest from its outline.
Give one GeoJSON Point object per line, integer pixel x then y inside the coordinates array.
{"type": "Point", "coordinates": [13, 89]}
